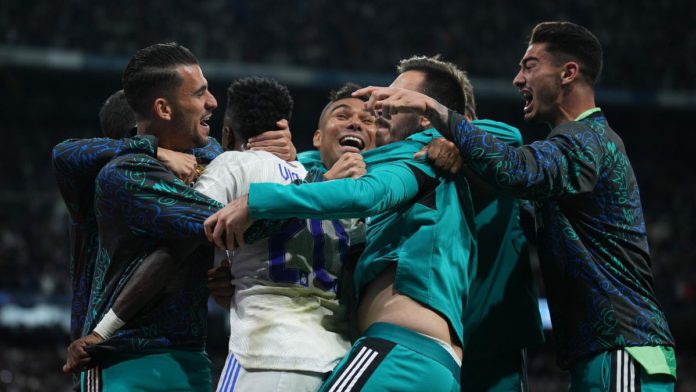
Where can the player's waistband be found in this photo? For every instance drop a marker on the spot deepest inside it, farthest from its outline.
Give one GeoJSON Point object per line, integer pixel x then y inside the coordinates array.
{"type": "Point", "coordinates": [416, 342]}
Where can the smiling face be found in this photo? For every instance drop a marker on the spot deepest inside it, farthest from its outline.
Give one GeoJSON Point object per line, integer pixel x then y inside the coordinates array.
{"type": "Point", "coordinates": [192, 105]}
{"type": "Point", "coordinates": [539, 82]}
{"type": "Point", "coordinates": [345, 126]}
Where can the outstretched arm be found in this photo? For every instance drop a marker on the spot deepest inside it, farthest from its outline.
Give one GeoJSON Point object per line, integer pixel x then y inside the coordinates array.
{"type": "Point", "coordinates": [565, 163]}
{"type": "Point", "coordinates": [385, 187]}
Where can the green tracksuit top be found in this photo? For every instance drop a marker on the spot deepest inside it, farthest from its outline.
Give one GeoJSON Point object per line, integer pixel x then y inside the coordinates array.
{"type": "Point", "coordinates": [418, 219]}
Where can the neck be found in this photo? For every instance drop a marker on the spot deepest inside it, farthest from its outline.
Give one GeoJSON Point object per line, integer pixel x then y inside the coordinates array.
{"type": "Point", "coordinates": [164, 140]}
{"type": "Point", "coordinates": [578, 99]}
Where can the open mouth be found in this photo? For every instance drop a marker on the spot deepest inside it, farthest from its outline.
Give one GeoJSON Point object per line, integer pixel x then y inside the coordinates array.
{"type": "Point", "coordinates": [528, 98]}
{"type": "Point", "coordinates": [204, 121]}
{"type": "Point", "coordinates": [353, 142]}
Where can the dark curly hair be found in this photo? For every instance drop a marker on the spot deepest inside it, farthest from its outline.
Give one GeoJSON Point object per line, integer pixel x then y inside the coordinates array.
{"type": "Point", "coordinates": [255, 104]}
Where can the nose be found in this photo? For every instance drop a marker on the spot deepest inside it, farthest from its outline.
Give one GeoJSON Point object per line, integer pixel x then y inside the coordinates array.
{"type": "Point", "coordinates": [355, 123]}
{"type": "Point", "coordinates": [211, 102]}
{"type": "Point", "coordinates": [518, 81]}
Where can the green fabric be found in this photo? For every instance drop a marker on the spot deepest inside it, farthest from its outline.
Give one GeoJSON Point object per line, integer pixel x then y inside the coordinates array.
{"type": "Point", "coordinates": [594, 374]}
{"type": "Point", "coordinates": [418, 221]}
{"type": "Point", "coordinates": [310, 160]}
{"type": "Point", "coordinates": [502, 131]}
{"type": "Point", "coordinates": [503, 292]}
{"type": "Point", "coordinates": [415, 363]}
{"type": "Point", "coordinates": [587, 113]}
{"type": "Point", "coordinates": [172, 370]}
{"type": "Point", "coordinates": [655, 359]}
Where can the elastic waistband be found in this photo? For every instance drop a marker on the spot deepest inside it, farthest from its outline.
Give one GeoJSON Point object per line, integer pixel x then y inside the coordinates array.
{"type": "Point", "coordinates": [414, 341]}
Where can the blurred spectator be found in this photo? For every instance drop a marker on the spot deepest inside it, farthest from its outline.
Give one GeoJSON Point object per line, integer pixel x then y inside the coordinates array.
{"type": "Point", "coordinates": [644, 41]}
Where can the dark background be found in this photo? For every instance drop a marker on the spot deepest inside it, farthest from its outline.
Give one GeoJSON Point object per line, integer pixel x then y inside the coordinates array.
{"type": "Point", "coordinates": [60, 60]}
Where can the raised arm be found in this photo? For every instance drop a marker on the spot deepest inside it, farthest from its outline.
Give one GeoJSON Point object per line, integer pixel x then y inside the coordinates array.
{"type": "Point", "coordinates": [565, 163]}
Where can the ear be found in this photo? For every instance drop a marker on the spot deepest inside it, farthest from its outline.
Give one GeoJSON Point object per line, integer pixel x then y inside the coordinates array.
{"type": "Point", "coordinates": [162, 109]}
{"type": "Point", "coordinates": [424, 123]}
{"type": "Point", "coordinates": [227, 138]}
{"type": "Point", "coordinates": [316, 139]}
{"type": "Point", "coordinates": [570, 72]}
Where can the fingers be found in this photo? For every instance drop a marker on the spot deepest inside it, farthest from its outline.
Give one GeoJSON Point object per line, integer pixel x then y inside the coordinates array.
{"type": "Point", "coordinates": [218, 233]}
{"type": "Point", "coordinates": [277, 142]}
{"type": "Point", "coordinates": [364, 91]}
{"type": "Point", "coordinates": [209, 226]}
{"type": "Point", "coordinates": [220, 288]}
{"type": "Point", "coordinates": [443, 154]}
{"type": "Point", "coordinates": [221, 271]}
{"type": "Point", "coordinates": [423, 151]}
{"type": "Point", "coordinates": [77, 356]}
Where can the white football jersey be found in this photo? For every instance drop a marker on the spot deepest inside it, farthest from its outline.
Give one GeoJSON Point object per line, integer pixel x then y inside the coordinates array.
{"type": "Point", "coordinates": [282, 316]}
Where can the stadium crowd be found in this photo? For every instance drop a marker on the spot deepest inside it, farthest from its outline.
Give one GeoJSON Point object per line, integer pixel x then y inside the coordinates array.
{"type": "Point", "coordinates": [325, 33]}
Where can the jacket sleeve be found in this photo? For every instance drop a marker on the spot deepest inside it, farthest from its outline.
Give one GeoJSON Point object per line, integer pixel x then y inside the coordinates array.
{"type": "Point", "coordinates": [566, 163]}
{"type": "Point", "coordinates": [151, 200]}
{"type": "Point", "coordinates": [76, 163]}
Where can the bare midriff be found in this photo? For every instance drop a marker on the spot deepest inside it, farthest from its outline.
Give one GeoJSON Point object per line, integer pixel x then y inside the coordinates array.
{"type": "Point", "coordinates": [380, 302]}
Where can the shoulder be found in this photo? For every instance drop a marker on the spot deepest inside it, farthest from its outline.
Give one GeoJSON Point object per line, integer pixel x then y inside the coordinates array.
{"type": "Point", "coordinates": [131, 165]}
{"type": "Point", "coordinates": [501, 130]}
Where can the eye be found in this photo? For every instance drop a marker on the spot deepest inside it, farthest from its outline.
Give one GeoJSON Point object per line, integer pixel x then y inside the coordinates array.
{"type": "Point", "coordinates": [369, 120]}
{"type": "Point", "coordinates": [341, 116]}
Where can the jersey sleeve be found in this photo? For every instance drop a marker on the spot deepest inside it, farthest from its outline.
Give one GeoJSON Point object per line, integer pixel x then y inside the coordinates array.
{"type": "Point", "coordinates": [385, 187]}
{"type": "Point", "coordinates": [566, 163]}
{"type": "Point", "coordinates": [219, 180]}
{"type": "Point", "coordinates": [141, 192]}
{"type": "Point", "coordinates": [76, 163]}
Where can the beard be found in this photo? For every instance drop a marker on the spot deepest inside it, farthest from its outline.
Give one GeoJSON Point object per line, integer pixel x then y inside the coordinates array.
{"type": "Point", "coordinates": [401, 127]}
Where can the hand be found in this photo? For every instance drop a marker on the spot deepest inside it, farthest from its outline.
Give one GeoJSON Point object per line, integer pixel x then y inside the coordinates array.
{"type": "Point", "coordinates": [278, 143]}
{"type": "Point", "coordinates": [181, 164]}
{"type": "Point", "coordinates": [78, 359]}
{"type": "Point", "coordinates": [230, 222]}
{"type": "Point", "coordinates": [389, 101]}
{"type": "Point", "coordinates": [220, 284]}
{"type": "Point", "coordinates": [349, 165]}
{"type": "Point", "coordinates": [443, 154]}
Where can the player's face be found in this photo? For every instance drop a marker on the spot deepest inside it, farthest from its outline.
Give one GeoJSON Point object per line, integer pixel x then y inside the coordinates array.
{"type": "Point", "coordinates": [401, 125]}
{"type": "Point", "coordinates": [539, 81]}
{"type": "Point", "coordinates": [192, 106]}
{"type": "Point", "coordinates": [344, 127]}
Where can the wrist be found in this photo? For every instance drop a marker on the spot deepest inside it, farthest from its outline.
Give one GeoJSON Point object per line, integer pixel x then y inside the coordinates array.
{"type": "Point", "coordinates": [437, 113]}
{"type": "Point", "coordinates": [108, 325]}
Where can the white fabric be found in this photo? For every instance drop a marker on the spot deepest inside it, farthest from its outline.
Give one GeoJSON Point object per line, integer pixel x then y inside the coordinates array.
{"type": "Point", "coordinates": [278, 321]}
{"type": "Point", "coordinates": [235, 378]}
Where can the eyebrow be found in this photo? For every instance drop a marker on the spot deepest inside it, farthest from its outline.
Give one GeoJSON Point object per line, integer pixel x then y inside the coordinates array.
{"type": "Point", "coordinates": [342, 106]}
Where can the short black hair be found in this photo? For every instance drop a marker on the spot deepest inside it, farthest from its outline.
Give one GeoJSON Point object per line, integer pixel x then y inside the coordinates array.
{"type": "Point", "coordinates": [444, 82]}
{"type": "Point", "coordinates": [346, 91]}
{"type": "Point", "coordinates": [343, 92]}
{"type": "Point", "coordinates": [152, 72]}
{"type": "Point", "coordinates": [568, 41]}
{"type": "Point", "coordinates": [116, 117]}
{"type": "Point", "coordinates": [255, 104]}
